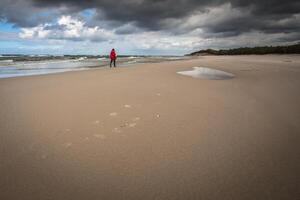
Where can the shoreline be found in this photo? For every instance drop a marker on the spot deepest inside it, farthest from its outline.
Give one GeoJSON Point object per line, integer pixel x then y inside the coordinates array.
{"type": "Point", "coordinates": [163, 61]}
{"type": "Point", "coordinates": [70, 65]}
{"type": "Point", "coordinates": [87, 68]}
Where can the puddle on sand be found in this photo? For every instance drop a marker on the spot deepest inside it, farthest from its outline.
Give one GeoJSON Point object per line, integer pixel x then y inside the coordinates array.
{"type": "Point", "coordinates": [207, 73]}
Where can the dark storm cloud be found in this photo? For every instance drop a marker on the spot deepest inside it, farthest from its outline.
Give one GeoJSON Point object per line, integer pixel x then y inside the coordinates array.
{"type": "Point", "coordinates": [273, 23]}
{"type": "Point", "coordinates": [145, 13]}
{"type": "Point", "coordinates": [127, 29]}
{"type": "Point", "coordinates": [267, 7]}
{"type": "Point", "coordinates": [22, 13]}
{"type": "Point", "coordinates": [148, 13]}
{"type": "Point", "coordinates": [269, 16]}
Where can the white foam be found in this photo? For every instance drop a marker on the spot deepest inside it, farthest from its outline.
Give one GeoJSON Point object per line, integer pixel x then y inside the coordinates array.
{"type": "Point", "coordinates": [81, 59]}
{"type": "Point", "coordinates": [6, 61]}
{"type": "Point", "coordinates": [207, 73]}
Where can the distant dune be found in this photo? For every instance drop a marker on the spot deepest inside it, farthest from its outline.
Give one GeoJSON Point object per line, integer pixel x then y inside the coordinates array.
{"type": "Point", "coordinates": [291, 49]}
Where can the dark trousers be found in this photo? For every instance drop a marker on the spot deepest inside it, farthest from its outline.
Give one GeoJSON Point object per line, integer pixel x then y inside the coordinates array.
{"type": "Point", "coordinates": [113, 61]}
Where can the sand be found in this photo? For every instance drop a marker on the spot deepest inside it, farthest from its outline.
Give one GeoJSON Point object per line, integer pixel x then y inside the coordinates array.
{"type": "Point", "coordinates": [146, 132]}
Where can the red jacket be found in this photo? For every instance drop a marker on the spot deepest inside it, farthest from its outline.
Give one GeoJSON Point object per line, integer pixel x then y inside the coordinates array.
{"type": "Point", "coordinates": [113, 55]}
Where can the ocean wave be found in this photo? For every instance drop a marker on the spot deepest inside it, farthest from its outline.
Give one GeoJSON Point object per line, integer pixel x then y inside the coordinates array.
{"type": "Point", "coordinates": [130, 62]}
{"type": "Point", "coordinates": [132, 57]}
{"type": "Point", "coordinates": [6, 61]}
{"type": "Point", "coordinates": [81, 59]}
{"type": "Point", "coordinates": [10, 68]}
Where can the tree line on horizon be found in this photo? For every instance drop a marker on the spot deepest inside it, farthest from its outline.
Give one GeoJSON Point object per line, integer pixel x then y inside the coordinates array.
{"type": "Point", "coordinates": [290, 49]}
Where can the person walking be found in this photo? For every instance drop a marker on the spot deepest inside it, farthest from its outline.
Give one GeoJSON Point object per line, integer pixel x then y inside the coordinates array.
{"type": "Point", "coordinates": [113, 57]}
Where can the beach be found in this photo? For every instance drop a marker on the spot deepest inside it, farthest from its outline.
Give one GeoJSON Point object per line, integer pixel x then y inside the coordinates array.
{"type": "Point", "coordinates": [147, 132]}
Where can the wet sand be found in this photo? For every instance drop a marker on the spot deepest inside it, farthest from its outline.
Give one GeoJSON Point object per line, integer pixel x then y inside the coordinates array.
{"type": "Point", "coordinates": [146, 132]}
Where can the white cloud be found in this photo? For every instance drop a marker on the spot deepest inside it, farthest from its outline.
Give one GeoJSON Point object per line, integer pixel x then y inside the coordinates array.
{"type": "Point", "coordinates": [67, 28]}
{"type": "Point", "coordinates": [161, 40]}
{"type": "Point", "coordinates": [70, 34]}
{"type": "Point", "coordinates": [35, 32]}
{"type": "Point", "coordinates": [70, 29]}
{"type": "Point", "coordinates": [200, 20]}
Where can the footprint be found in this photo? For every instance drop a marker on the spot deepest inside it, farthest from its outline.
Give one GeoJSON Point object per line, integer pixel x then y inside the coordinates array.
{"type": "Point", "coordinates": [124, 125]}
{"type": "Point", "coordinates": [127, 106]}
{"type": "Point", "coordinates": [131, 125]}
{"type": "Point", "coordinates": [68, 144]}
{"type": "Point", "coordinates": [100, 136]}
{"type": "Point", "coordinates": [136, 119]}
{"type": "Point", "coordinates": [117, 130]}
{"type": "Point", "coordinates": [96, 122]}
{"type": "Point", "coordinates": [113, 114]}
{"type": "Point", "coordinates": [31, 147]}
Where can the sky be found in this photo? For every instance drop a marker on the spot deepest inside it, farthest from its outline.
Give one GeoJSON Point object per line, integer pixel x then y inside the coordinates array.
{"type": "Point", "coordinates": [144, 27]}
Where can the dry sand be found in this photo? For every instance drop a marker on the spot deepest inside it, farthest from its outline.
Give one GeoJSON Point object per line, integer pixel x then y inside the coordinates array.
{"type": "Point", "coordinates": [146, 132]}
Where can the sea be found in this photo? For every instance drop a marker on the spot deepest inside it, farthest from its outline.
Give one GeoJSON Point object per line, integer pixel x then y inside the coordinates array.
{"type": "Point", "coordinates": [27, 65]}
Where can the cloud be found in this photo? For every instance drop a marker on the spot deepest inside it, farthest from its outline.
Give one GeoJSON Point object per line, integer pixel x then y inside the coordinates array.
{"type": "Point", "coordinates": [129, 28]}
{"type": "Point", "coordinates": [66, 28]}
{"type": "Point", "coordinates": [157, 24]}
{"type": "Point", "coordinates": [23, 13]}
{"type": "Point", "coordinates": [149, 14]}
